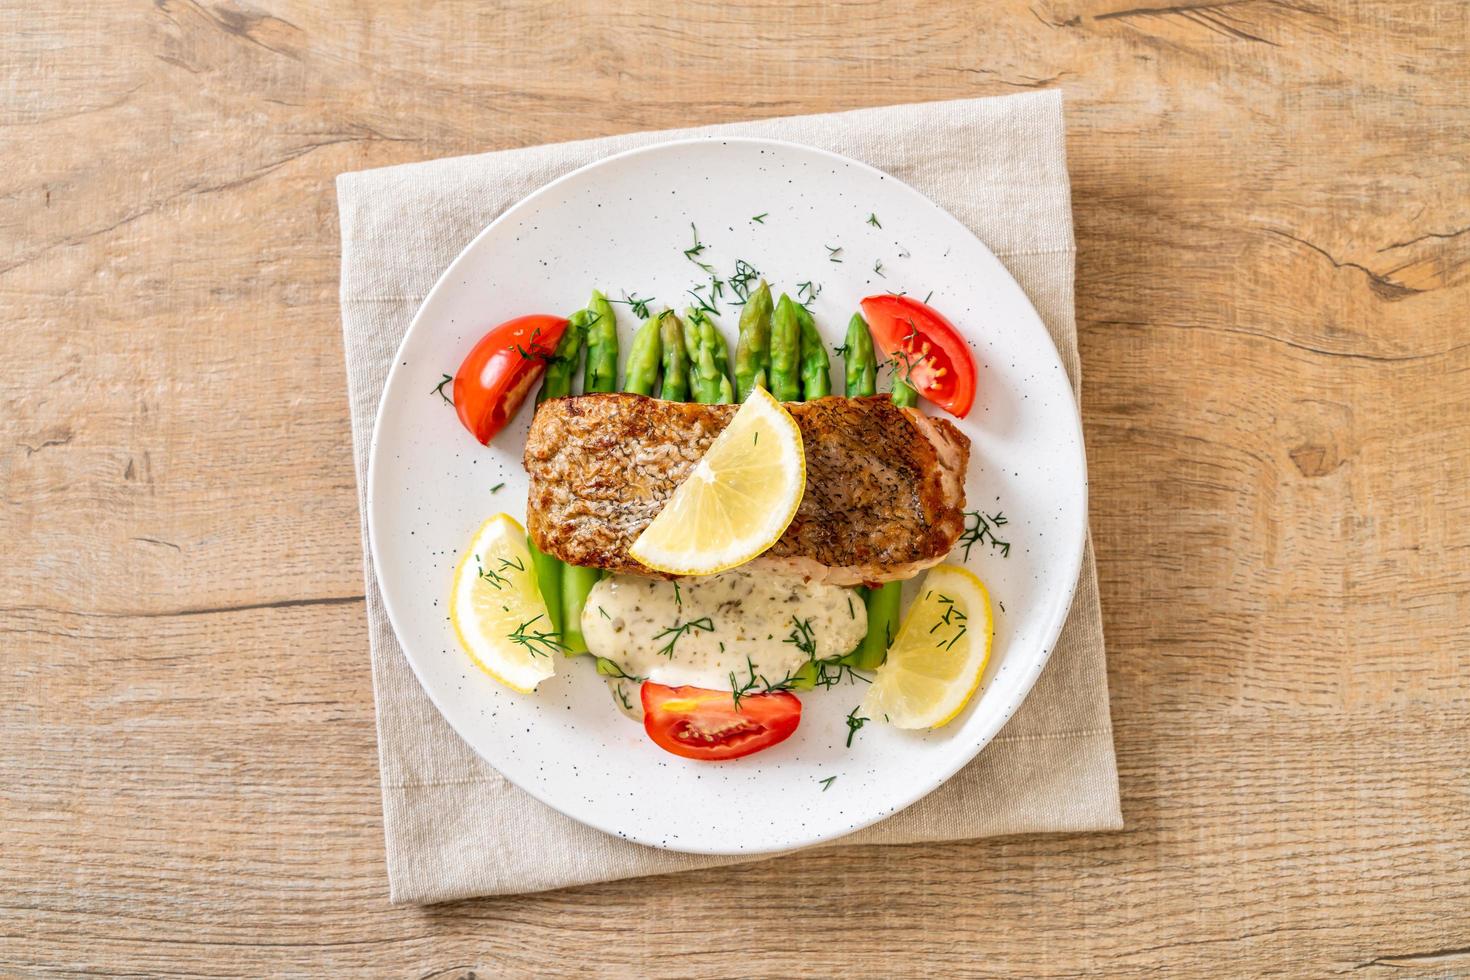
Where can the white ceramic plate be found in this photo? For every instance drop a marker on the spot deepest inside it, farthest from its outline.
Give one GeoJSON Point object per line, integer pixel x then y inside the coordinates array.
{"type": "Point", "coordinates": [623, 224]}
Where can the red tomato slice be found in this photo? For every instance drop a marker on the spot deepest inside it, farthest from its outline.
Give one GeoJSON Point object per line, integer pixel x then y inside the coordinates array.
{"type": "Point", "coordinates": [701, 724]}
{"type": "Point", "coordinates": [500, 370]}
{"type": "Point", "coordinates": [939, 363]}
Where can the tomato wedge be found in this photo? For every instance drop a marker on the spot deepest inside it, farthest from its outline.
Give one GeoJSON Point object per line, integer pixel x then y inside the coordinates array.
{"type": "Point", "coordinates": [913, 333]}
{"type": "Point", "coordinates": [701, 724]}
{"type": "Point", "coordinates": [499, 371]}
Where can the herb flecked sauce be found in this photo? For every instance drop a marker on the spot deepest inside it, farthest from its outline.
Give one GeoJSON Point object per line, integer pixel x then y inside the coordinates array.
{"type": "Point", "coordinates": [700, 631]}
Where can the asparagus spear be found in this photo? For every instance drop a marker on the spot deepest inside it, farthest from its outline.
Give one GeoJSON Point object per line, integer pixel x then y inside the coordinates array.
{"type": "Point", "coordinates": [601, 375]}
{"type": "Point", "coordinates": [675, 358]}
{"type": "Point", "coordinates": [860, 368]}
{"type": "Point", "coordinates": [786, 351]}
{"type": "Point", "coordinates": [816, 380]}
{"type": "Point", "coordinates": [884, 602]}
{"type": "Point", "coordinates": [753, 347]}
{"type": "Point", "coordinates": [641, 371]}
{"type": "Point", "coordinates": [709, 379]}
{"type": "Point", "coordinates": [556, 383]}
{"type": "Point", "coordinates": [602, 347]}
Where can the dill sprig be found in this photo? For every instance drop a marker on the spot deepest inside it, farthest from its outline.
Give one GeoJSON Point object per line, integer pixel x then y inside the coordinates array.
{"type": "Point", "coordinates": [980, 529]}
{"type": "Point", "coordinates": [802, 637]}
{"type": "Point", "coordinates": [878, 268]}
{"type": "Point", "coordinates": [833, 252]}
{"type": "Point", "coordinates": [492, 577]}
{"type": "Point", "coordinates": [539, 643]}
{"type": "Point", "coordinates": [952, 617]}
{"type": "Point", "coordinates": [740, 689]}
{"type": "Point", "coordinates": [439, 390]}
{"type": "Point", "coordinates": [607, 668]}
{"type": "Point", "coordinates": [873, 220]}
{"type": "Point", "coordinates": [854, 722]}
{"type": "Point", "coordinates": [830, 673]}
{"type": "Point", "coordinates": [755, 682]}
{"type": "Point", "coordinates": [678, 630]}
{"type": "Point", "coordinates": [807, 292]}
{"type": "Point", "coordinates": [536, 351]}
{"type": "Point", "coordinates": [826, 783]}
{"type": "Point", "coordinates": [701, 305]}
{"type": "Point", "coordinates": [760, 219]}
{"type": "Point", "coordinates": [693, 252]}
{"type": "Point", "coordinates": [740, 282]}
{"type": "Point", "coordinates": [926, 298]}
{"type": "Point", "coordinates": [638, 305]}
{"type": "Point", "coordinates": [497, 488]}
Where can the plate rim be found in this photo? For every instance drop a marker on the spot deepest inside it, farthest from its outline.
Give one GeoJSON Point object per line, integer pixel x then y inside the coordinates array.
{"type": "Point", "coordinates": [1050, 633]}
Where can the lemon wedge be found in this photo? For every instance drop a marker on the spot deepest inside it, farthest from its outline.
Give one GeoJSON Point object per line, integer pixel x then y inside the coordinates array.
{"type": "Point", "coordinates": [738, 500]}
{"type": "Point", "coordinates": [935, 662]}
{"type": "Point", "coordinates": [496, 607]}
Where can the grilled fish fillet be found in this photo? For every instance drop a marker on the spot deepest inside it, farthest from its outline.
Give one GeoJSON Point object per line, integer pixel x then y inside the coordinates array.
{"type": "Point", "coordinates": [884, 485]}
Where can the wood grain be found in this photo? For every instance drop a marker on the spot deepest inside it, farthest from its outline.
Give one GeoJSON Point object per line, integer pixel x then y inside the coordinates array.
{"type": "Point", "coordinates": [1273, 273]}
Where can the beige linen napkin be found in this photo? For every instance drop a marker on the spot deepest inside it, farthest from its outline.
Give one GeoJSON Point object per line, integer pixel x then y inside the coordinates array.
{"type": "Point", "coordinates": [454, 826]}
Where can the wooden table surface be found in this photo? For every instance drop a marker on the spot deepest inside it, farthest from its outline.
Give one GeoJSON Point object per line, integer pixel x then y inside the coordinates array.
{"type": "Point", "coordinates": [1273, 274]}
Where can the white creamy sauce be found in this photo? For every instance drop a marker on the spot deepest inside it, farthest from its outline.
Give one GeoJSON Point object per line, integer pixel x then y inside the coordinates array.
{"type": "Point", "coordinates": [701, 630]}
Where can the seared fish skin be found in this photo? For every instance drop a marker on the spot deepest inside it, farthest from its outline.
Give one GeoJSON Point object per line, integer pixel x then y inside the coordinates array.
{"type": "Point", "coordinates": [884, 485]}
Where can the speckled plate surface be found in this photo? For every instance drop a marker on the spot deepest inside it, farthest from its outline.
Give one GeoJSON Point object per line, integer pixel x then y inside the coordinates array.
{"type": "Point", "coordinates": [623, 224]}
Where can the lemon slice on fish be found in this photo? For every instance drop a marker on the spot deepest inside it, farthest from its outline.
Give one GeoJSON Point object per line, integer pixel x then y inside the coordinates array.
{"type": "Point", "coordinates": [738, 500]}
{"type": "Point", "coordinates": [936, 661]}
{"type": "Point", "coordinates": [496, 608]}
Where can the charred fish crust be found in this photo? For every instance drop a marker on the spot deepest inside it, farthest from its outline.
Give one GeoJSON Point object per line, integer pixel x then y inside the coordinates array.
{"type": "Point", "coordinates": [884, 495]}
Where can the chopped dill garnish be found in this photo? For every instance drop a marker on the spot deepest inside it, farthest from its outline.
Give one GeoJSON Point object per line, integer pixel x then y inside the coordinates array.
{"type": "Point", "coordinates": [826, 783]}
{"type": "Point", "coordinates": [982, 530]}
{"type": "Point", "coordinates": [873, 220]}
{"type": "Point", "coordinates": [854, 722]}
{"type": "Point", "coordinates": [518, 565]}
{"type": "Point", "coordinates": [623, 697]}
{"type": "Point", "coordinates": [760, 219]}
{"type": "Point", "coordinates": [497, 488]}
{"type": "Point", "coordinates": [832, 253]}
{"type": "Point", "coordinates": [841, 350]}
{"type": "Point", "coordinates": [603, 612]}
{"type": "Point", "coordinates": [878, 268]}
{"type": "Point", "coordinates": [756, 439]}
{"type": "Point", "coordinates": [926, 298]}
{"type": "Point", "coordinates": [439, 389]}
{"type": "Point", "coordinates": [679, 629]}
{"type": "Point", "coordinates": [807, 292]}
{"type": "Point", "coordinates": [678, 596]}
{"type": "Point", "coordinates": [539, 643]}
